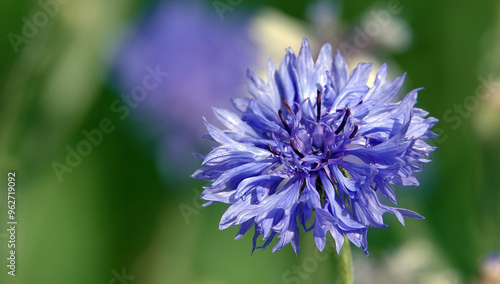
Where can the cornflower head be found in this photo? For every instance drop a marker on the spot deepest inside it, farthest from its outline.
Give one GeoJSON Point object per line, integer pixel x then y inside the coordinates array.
{"type": "Point", "coordinates": [315, 147]}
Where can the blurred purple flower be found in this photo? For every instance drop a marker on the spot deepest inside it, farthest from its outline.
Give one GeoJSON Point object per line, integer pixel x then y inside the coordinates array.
{"type": "Point", "coordinates": [204, 58]}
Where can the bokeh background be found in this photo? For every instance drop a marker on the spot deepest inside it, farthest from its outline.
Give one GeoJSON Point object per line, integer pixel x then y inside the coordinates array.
{"type": "Point", "coordinates": [101, 108]}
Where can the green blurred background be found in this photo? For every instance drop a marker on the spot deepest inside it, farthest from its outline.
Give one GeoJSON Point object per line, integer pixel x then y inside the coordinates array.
{"type": "Point", "coordinates": [120, 218]}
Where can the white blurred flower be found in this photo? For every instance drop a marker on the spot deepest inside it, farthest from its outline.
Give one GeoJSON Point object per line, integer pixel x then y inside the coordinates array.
{"type": "Point", "coordinates": [490, 269]}
{"type": "Point", "coordinates": [416, 262]}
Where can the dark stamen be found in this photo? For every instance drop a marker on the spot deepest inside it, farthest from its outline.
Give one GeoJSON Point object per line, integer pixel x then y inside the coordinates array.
{"type": "Point", "coordinates": [354, 131]}
{"type": "Point", "coordinates": [328, 154]}
{"type": "Point", "coordinates": [287, 106]}
{"type": "Point", "coordinates": [283, 120]}
{"type": "Point", "coordinates": [321, 191]}
{"type": "Point", "coordinates": [342, 124]}
{"type": "Point", "coordinates": [272, 150]}
{"type": "Point", "coordinates": [318, 105]}
{"type": "Point", "coordinates": [295, 149]}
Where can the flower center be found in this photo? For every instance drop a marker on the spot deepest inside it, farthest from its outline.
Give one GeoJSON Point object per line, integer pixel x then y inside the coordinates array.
{"type": "Point", "coordinates": [312, 136]}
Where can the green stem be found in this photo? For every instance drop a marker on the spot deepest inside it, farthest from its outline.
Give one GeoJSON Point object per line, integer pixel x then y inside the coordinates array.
{"type": "Point", "coordinates": [345, 258]}
{"type": "Point", "coordinates": [345, 263]}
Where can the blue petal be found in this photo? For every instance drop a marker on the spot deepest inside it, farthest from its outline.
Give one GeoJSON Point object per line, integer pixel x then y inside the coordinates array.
{"type": "Point", "coordinates": [234, 155]}
{"type": "Point", "coordinates": [241, 104]}
{"type": "Point", "coordinates": [355, 88]}
{"type": "Point", "coordinates": [260, 91]}
{"type": "Point", "coordinates": [387, 92]}
{"type": "Point", "coordinates": [242, 210]}
{"type": "Point", "coordinates": [234, 123]}
{"type": "Point", "coordinates": [339, 72]}
{"type": "Point", "coordinates": [217, 134]}
{"type": "Point", "coordinates": [286, 79]}
{"type": "Point", "coordinates": [248, 184]}
{"type": "Point", "coordinates": [323, 64]}
{"type": "Point", "coordinates": [305, 62]}
{"type": "Point", "coordinates": [243, 229]}
{"type": "Point", "coordinates": [380, 80]}
{"type": "Point", "coordinates": [342, 215]}
{"type": "Point", "coordinates": [236, 175]}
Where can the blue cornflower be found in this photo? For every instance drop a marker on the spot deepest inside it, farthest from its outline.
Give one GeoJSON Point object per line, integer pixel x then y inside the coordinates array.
{"type": "Point", "coordinates": [315, 139]}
